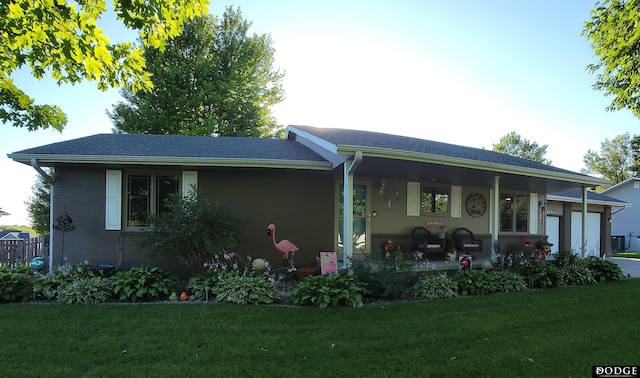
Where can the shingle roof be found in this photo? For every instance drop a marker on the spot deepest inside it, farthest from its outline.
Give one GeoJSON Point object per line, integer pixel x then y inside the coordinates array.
{"type": "Point", "coordinates": [187, 148]}
{"type": "Point", "coordinates": [343, 139]}
{"type": "Point", "coordinates": [592, 197]}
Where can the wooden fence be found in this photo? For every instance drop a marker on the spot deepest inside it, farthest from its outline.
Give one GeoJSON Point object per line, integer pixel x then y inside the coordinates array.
{"type": "Point", "coordinates": [21, 252]}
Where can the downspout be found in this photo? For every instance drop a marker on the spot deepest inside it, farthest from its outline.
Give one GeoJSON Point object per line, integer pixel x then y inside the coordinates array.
{"type": "Point", "coordinates": [350, 167]}
{"type": "Point", "coordinates": [51, 181]}
{"type": "Point", "coordinates": [583, 247]}
{"type": "Point", "coordinates": [495, 217]}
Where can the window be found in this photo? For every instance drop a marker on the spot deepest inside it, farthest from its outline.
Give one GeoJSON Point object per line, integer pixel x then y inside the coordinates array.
{"type": "Point", "coordinates": [514, 212]}
{"type": "Point", "coordinates": [146, 195]}
{"type": "Point", "coordinates": [434, 200]}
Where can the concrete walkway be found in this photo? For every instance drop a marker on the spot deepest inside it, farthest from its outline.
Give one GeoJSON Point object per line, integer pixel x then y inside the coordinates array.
{"type": "Point", "coordinates": [630, 267]}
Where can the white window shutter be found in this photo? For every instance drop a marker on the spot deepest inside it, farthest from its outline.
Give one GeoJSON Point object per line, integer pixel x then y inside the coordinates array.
{"type": "Point", "coordinates": [533, 213]}
{"type": "Point", "coordinates": [413, 199]}
{"type": "Point", "coordinates": [113, 208]}
{"type": "Point", "coordinates": [189, 182]}
{"type": "Point", "coordinates": [456, 201]}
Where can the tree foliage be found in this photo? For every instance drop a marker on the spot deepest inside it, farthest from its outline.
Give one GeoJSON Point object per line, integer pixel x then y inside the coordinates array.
{"type": "Point", "coordinates": [615, 39]}
{"type": "Point", "coordinates": [39, 205]}
{"type": "Point", "coordinates": [214, 79]}
{"type": "Point", "coordinates": [194, 230]}
{"type": "Point", "coordinates": [61, 38]}
{"type": "Point", "coordinates": [614, 161]}
{"type": "Point", "coordinates": [513, 144]}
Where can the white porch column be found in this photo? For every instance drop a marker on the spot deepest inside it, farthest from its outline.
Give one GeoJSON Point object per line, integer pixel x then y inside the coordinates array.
{"type": "Point", "coordinates": [347, 217]}
{"type": "Point", "coordinates": [495, 216]}
{"type": "Point", "coordinates": [583, 245]}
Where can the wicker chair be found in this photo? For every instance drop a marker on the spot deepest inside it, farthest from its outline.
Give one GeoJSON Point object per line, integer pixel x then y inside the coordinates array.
{"type": "Point", "coordinates": [427, 243]}
{"type": "Point", "coordinates": [465, 242]}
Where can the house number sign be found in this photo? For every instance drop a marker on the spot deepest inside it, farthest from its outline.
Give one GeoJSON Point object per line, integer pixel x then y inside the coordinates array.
{"type": "Point", "coordinates": [476, 204]}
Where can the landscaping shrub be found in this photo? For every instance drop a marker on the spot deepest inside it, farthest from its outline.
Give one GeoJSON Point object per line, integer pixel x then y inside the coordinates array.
{"type": "Point", "coordinates": [143, 282]}
{"type": "Point", "coordinates": [201, 284]}
{"type": "Point", "coordinates": [505, 281]}
{"type": "Point", "coordinates": [387, 278]}
{"type": "Point", "coordinates": [474, 282]}
{"type": "Point", "coordinates": [539, 274]}
{"type": "Point", "coordinates": [243, 289]}
{"type": "Point", "coordinates": [47, 286]}
{"type": "Point", "coordinates": [577, 274]}
{"type": "Point", "coordinates": [603, 270]}
{"type": "Point", "coordinates": [16, 284]}
{"type": "Point", "coordinates": [566, 258]}
{"type": "Point", "coordinates": [194, 230]}
{"type": "Point", "coordinates": [434, 286]}
{"type": "Point", "coordinates": [86, 290]}
{"type": "Point", "coordinates": [325, 290]}
{"type": "Point", "coordinates": [514, 257]}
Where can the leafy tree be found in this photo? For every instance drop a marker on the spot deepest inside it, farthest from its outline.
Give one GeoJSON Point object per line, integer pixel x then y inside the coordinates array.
{"type": "Point", "coordinates": [61, 38]}
{"type": "Point", "coordinates": [615, 39]}
{"type": "Point", "coordinates": [194, 230]}
{"type": "Point", "coordinates": [214, 79]}
{"type": "Point", "coordinates": [39, 205]}
{"type": "Point", "coordinates": [613, 162]}
{"type": "Point", "coordinates": [635, 155]}
{"type": "Point", "coordinates": [513, 144]}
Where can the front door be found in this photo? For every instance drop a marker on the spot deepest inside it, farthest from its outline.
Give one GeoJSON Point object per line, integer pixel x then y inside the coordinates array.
{"type": "Point", "coordinates": [359, 237]}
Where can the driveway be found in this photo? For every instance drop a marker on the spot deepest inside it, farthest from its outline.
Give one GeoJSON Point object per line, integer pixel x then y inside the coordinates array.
{"type": "Point", "coordinates": [630, 267]}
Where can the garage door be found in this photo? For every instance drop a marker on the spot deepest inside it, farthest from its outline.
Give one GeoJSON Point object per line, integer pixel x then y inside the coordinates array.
{"type": "Point", "coordinates": [593, 233]}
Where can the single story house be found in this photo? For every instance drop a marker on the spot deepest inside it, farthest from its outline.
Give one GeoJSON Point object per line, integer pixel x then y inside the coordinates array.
{"type": "Point", "coordinates": [316, 185]}
{"type": "Point", "coordinates": [625, 229]}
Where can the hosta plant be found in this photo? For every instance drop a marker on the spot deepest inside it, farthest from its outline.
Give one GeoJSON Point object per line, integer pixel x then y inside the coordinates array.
{"type": "Point", "coordinates": [506, 281]}
{"type": "Point", "coordinates": [474, 282]}
{"type": "Point", "coordinates": [577, 274]}
{"type": "Point", "coordinates": [243, 289]}
{"type": "Point", "coordinates": [603, 270]}
{"type": "Point", "coordinates": [46, 286]}
{"type": "Point", "coordinates": [86, 290]}
{"type": "Point", "coordinates": [143, 282]}
{"type": "Point", "coordinates": [325, 290]}
{"type": "Point", "coordinates": [434, 286]}
{"type": "Point", "coordinates": [540, 274]}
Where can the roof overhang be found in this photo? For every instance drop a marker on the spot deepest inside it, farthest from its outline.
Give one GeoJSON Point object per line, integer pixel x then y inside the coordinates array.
{"type": "Point", "coordinates": [49, 160]}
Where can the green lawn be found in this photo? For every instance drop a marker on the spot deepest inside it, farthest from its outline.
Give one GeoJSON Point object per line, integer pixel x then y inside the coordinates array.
{"type": "Point", "coordinates": [552, 332]}
{"type": "Point", "coordinates": [633, 255]}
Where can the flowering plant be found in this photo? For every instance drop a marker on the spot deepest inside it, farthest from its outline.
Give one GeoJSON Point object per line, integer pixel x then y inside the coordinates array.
{"type": "Point", "coordinates": [437, 225]}
{"type": "Point", "coordinates": [388, 245]}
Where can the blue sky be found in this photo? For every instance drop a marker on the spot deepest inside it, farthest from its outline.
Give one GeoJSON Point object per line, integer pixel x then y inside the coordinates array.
{"type": "Point", "coordinates": [465, 72]}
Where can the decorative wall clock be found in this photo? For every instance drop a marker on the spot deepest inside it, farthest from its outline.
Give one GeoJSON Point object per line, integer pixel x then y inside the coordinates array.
{"type": "Point", "coordinates": [476, 204]}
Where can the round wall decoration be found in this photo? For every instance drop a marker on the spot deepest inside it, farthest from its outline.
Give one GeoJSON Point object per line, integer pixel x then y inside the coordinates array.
{"type": "Point", "coordinates": [476, 204]}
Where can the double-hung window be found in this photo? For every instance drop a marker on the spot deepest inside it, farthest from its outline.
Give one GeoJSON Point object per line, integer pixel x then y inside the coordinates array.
{"type": "Point", "coordinates": [147, 194]}
{"type": "Point", "coordinates": [514, 212]}
{"type": "Point", "coordinates": [434, 200]}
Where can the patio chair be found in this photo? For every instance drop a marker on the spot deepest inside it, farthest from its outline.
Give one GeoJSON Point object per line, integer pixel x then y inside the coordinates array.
{"type": "Point", "coordinates": [426, 242]}
{"type": "Point", "coordinates": [465, 242]}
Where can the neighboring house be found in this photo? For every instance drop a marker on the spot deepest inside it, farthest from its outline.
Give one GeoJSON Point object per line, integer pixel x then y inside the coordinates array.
{"type": "Point", "coordinates": [625, 228]}
{"type": "Point", "coordinates": [14, 235]}
{"type": "Point", "coordinates": [564, 221]}
{"type": "Point", "coordinates": [388, 184]}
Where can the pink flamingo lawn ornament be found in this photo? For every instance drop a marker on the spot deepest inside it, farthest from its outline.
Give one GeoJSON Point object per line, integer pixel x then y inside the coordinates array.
{"type": "Point", "coordinates": [287, 248]}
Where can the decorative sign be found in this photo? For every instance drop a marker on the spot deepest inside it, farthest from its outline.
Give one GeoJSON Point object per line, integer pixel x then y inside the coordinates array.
{"type": "Point", "coordinates": [328, 263]}
{"type": "Point", "coordinates": [464, 261]}
{"type": "Point", "coordinates": [476, 204]}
